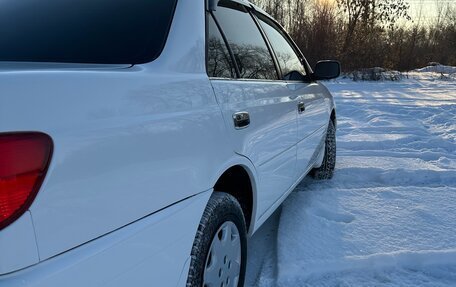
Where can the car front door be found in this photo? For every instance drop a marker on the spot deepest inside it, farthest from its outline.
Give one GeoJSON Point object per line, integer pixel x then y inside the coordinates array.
{"type": "Point", "coordinates": [312, 109]}
{"type": "Point", "coordinates": [260, 113]}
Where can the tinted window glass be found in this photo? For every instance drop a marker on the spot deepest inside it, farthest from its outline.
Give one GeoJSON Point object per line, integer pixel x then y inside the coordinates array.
{"type": "Point", "coordinates": [84, 31]}
{"type": "Point", "coordinates": [219, 62]}
{"type": "Point", "coordinates": [286, 56]}
{"type": "Point", "coordinates": [249, 48]}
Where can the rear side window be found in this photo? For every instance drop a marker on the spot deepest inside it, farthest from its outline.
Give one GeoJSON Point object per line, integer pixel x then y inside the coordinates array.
{"type": "Point", "coordinates": [250, 51]}
{"type": "Point", "coordinates": [219, 62]}
{"type": "Point", "coordinates": [286, 56]}
{"type": "Point", "coordinates": [84, 31]}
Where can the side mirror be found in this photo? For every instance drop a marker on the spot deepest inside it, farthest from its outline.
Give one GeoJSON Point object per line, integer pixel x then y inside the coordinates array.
{"type": "Point", "coordinates": [326, 70]}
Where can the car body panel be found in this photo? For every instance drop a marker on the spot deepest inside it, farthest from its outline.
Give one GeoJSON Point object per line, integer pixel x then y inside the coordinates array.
{"type": "Point", "coordinates": [125, 256]}
{"type": "Point", "coordinates": [22, 250]}
{"type": "Point", "coordinates": [121, 135]}
{"type": "Point", "coordinates": [311, 122]}
{"type": "Point", "coordinates": [270, 139]}
{"type": "Point", "coordinates": [120, 159]}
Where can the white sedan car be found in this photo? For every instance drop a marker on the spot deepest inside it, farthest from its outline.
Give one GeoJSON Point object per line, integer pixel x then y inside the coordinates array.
{"type": "Point", "coordinates": [143, 141]}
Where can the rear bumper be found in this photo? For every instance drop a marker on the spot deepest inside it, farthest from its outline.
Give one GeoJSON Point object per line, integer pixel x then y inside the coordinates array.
{"type": "Point", "coordinates": [153, 251]}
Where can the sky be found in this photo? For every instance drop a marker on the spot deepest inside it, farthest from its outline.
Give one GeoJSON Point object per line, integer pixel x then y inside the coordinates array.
{"type": "Point", "coordinates": [428, 8]}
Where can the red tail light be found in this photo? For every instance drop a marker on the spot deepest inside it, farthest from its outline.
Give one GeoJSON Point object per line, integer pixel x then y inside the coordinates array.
{"type": "Point", "coordinates": [24, 159]}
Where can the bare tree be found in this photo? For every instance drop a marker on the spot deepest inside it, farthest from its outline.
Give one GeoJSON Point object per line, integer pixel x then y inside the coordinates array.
{"type": "Point", "coordinates": [368, 33]}
{"type": "Point", "coordinates": [370, 13]}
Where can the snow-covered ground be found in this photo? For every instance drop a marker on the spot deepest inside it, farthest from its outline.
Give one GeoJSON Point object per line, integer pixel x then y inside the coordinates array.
{"type": "Point", "coordinates": [388, 217]}
{"type": "Point", "coordinates": [438, 69]}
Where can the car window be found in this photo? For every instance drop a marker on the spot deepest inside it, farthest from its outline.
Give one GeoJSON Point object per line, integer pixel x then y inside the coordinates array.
{"type": "Point", "coordinates": [219, 61]}
{"type": "Point", "coordinates": [287, 58]}
{"type": "Point", "coordinates": [249, 49]}
{"type": "Point", "coordinates": [84, 31]}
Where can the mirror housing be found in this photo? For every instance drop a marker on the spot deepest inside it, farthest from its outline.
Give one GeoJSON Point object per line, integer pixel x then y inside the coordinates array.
{"type": "Point", "coordinates": [326, 70]}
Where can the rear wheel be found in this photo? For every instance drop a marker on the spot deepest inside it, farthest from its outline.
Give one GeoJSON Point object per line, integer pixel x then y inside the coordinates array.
{"type": "Point", "coordinates": [219, 251]}
{"type": "Point", "coordinates": [326, 170]}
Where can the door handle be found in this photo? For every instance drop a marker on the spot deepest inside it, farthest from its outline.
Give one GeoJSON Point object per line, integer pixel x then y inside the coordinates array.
{"type": "Point", "coordinates": [301, 107]}
{"type": "Point", "coordinates": [241, 120]}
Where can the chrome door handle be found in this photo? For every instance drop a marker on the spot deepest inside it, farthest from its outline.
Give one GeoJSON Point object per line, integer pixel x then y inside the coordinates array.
{"type": "Point", "coordinates": [241, 120]}
{"type": "Point", "coordinates": [301, 107]}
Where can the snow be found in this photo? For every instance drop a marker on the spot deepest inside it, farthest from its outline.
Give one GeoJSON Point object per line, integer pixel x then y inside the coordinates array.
{"type": "Point", "coordinates": [439, 72]}
{"type": "Point", "coordinates": [438, 69]}
{"type": "Point", "coordinates": [388, 217]}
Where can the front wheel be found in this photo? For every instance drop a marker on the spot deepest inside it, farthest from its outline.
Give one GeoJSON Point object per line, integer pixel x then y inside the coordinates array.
{"type": "Point", "coordinates": [326, 170]}
{"type": "Point", "coordinates": [219, 251]}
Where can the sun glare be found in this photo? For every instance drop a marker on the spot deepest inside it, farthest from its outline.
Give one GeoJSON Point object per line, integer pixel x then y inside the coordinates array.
{"type": "Point", "coordinates": [326, 2]}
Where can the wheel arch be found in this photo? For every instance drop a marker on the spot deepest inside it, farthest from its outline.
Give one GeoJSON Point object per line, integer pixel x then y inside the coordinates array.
{"type": "Point", "coordinates": [239, 181]}
{"type": "Point", "coordinates": [334, 118]}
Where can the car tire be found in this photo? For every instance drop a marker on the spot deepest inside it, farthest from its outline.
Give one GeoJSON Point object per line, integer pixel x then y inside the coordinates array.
{"type": "Point", "coordinates": [219, 251]}
{"type": "Point", "coordinates": [326, 170]}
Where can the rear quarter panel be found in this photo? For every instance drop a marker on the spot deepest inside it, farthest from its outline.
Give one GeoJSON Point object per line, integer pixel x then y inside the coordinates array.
{"type": "Point", "coordinates": [129, 141]}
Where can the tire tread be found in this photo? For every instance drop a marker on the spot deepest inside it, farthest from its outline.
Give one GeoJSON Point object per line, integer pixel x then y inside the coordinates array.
{"type": "Point", "coordinates": [326, 170]}
{"type": "Point", "coordinates": [221, 206]}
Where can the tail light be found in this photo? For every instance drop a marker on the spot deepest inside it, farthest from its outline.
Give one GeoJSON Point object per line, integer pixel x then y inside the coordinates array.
{"type": "Point", "coordinates": [24, 159]}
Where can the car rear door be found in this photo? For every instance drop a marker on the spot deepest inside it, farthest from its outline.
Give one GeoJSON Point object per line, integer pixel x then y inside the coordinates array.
{"type": "Point", "coordinates": [312, 109]}
{"type": "Point", "coordinates": [259, 112]}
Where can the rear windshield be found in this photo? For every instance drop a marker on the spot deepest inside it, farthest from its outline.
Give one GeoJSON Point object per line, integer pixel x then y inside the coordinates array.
{"type": "Point", "coordinates": [84, 31]}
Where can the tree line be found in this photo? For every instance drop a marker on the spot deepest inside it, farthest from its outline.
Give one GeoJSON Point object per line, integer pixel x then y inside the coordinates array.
{"type": "Point", "coordinates": [368, 33]}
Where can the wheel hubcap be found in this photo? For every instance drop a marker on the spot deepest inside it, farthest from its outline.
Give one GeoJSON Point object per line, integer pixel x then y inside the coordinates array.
{"type": "Point", "coordinates": [223, 262]}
